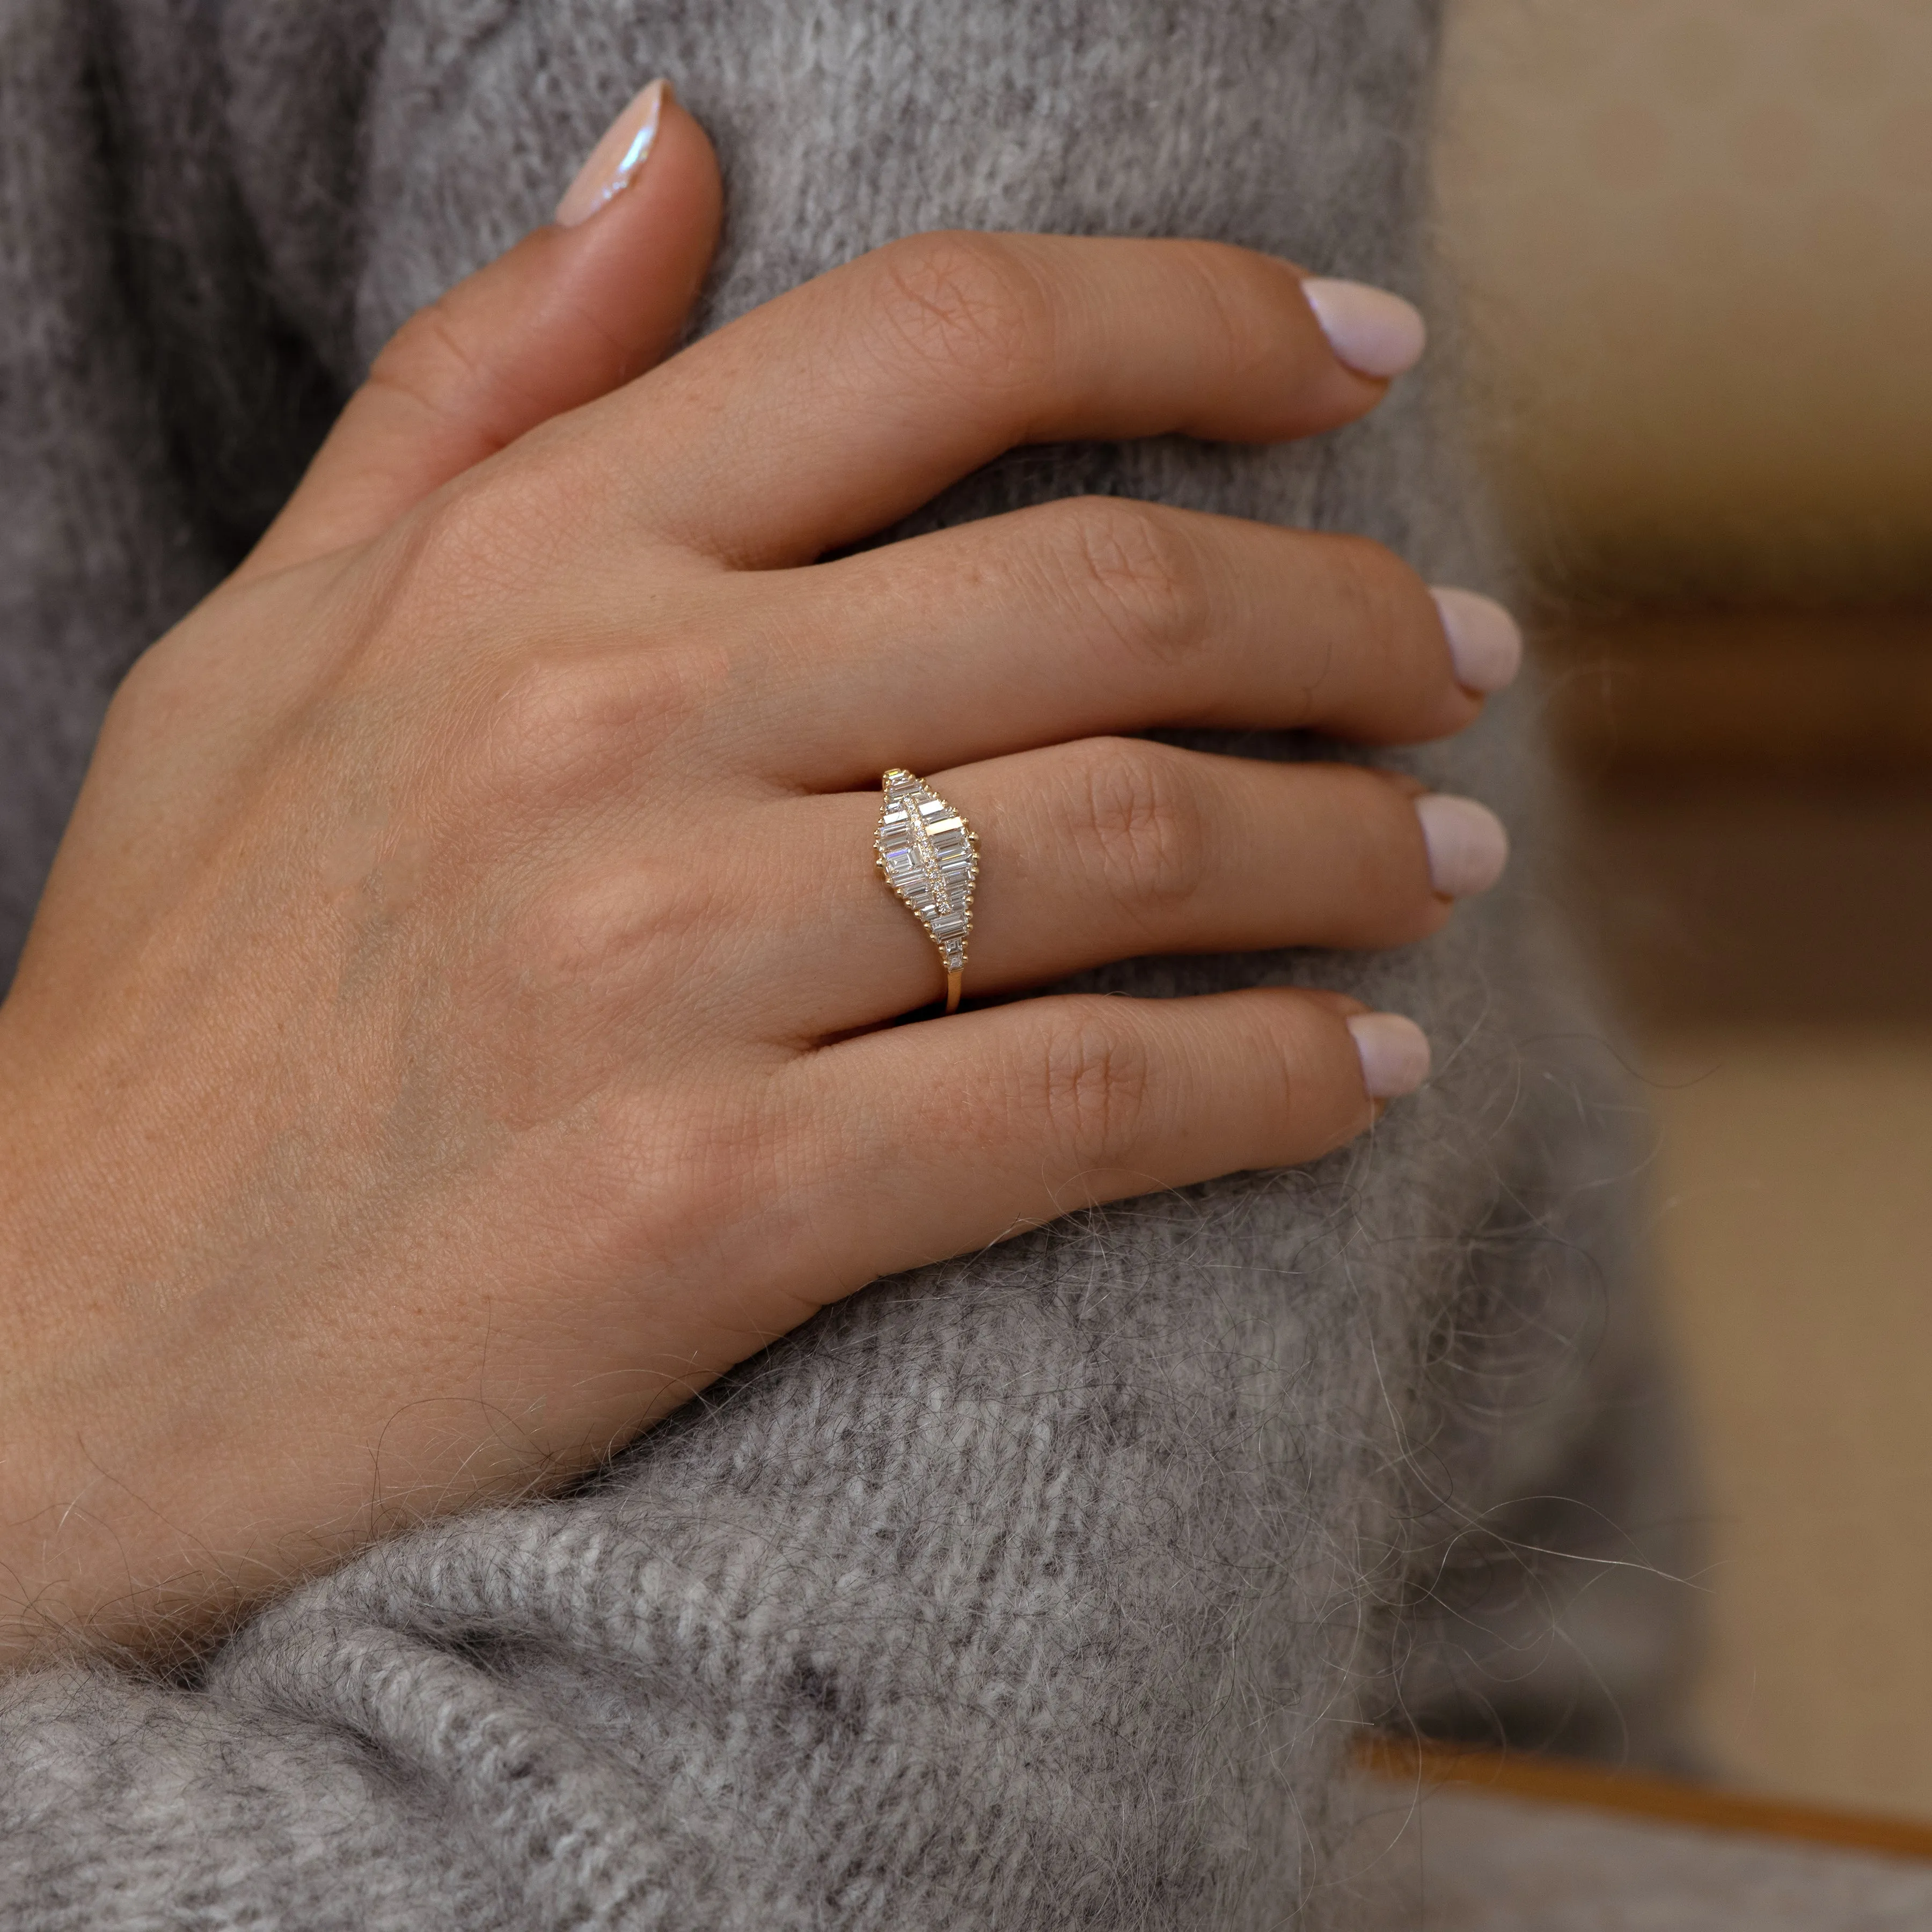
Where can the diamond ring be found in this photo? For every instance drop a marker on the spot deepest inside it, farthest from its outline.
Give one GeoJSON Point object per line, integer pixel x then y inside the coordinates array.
{"type": "Point", "coordinates": [929, 855]}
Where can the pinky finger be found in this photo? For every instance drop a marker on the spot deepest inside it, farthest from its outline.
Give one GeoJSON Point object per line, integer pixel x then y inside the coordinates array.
{"type": "Point", "coordinates": [937, 1138]}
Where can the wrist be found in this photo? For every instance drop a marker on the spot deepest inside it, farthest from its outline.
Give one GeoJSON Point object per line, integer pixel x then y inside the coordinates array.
{"type": "Point", "coordinates": [97, 1545]}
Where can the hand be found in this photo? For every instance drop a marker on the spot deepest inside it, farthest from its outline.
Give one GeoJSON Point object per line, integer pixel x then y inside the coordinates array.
{"type": "Point", "coordinates": [458, 1024]}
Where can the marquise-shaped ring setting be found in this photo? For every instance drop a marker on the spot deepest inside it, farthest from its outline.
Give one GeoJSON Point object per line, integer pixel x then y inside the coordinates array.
{"type": "Point", "coordinates": [929, 855]}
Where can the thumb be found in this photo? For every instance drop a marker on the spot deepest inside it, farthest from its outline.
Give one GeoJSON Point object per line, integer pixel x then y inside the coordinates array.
{"type": "Point", "coordinates": [574, 310]}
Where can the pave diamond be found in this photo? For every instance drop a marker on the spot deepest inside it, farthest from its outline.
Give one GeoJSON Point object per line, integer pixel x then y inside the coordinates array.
{"type": "Point", "coordinates": [928, 855]}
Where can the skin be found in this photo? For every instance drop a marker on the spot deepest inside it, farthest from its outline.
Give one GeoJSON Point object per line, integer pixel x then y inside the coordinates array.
{"type": "Point", "coordinates": [457, 1026]}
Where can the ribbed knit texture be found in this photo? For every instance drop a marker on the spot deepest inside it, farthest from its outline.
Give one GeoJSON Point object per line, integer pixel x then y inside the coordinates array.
{"type": "Point", "coordinates": [1042, 1589]}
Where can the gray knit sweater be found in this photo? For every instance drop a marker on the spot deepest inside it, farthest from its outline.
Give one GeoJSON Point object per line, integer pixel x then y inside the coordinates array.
{"type": "Point", "coordinates": [1042, 1589]}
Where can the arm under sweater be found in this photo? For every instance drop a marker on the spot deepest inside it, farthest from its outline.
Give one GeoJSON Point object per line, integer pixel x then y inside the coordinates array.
{"type": "Point", "coordinates": [1040, 1589]}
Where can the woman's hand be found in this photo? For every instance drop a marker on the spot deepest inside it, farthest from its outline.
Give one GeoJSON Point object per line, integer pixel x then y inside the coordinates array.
{"type": "Point", "coordinates": [457, 1027]}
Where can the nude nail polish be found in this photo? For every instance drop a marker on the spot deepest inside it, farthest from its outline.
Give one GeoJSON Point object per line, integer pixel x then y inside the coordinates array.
{"type": "Point", "coordinates": [1468, 847]}
{"type": "Point", "coordinates": [616, 160]}
{"type": "Point", "coordinates": [1485, 644]}
{"type": "Point", "coordinates": [1374, 333]}
{"type": "Point", "coordinates": [1394, 1053]}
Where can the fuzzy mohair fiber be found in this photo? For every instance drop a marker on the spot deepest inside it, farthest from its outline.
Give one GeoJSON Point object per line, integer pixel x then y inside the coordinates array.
{"type": "Point", "coordinates": [1045, 1588]}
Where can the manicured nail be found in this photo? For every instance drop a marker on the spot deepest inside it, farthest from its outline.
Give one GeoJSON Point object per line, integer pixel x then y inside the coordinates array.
{"type": "Point", "coordinates": [1375, 333]}
{"type": "Point", "coordinates": [616, 160]}
{"type": "Point", "coordinates": [1468, 847]}
{"type": "Point", "coordinates": [1394, 1051]}
{"type": "Point", "coordinates": [1485, 645]}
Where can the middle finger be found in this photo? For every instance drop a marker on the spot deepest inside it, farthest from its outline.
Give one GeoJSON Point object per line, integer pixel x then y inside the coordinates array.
{"type": "Point", "coordinates": [1102, 614]}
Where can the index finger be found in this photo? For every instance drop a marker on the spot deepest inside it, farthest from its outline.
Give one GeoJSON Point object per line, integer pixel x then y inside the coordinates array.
{"type": "Point", "coordinates": [826, 415]}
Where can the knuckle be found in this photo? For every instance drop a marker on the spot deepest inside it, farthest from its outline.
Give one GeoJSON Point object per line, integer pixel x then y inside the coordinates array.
{"type": "Point", "coordinates": [1134, 564]}
{"type": "Point", "coordinates": [567, 722]}
{"type": "Point", "coordinates": [1141, 816]}
{"type": "Point", "coordinates": [624, 932]}
{"type": "Point", "coordinates": [1095, 1083]}
{"type": "Point", "coordinates": [549, 999]}
{"type": "Point", "coordinates": [545, 989]}
{"type": "Point", "coordinates": [458, 534]}
{"type": "Point", "coordinates": [966, 306]}
{"type": "Point", "coordinates": [462, 554]}
{"type": "Point", "coordinates": [426, 361]}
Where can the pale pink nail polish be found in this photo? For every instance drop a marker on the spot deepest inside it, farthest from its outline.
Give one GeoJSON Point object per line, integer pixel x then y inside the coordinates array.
{"type": "Point", "coordinates": [1394, 1053]}
{"type": "Point", "coordinates": [1485, 645]}
{"type": "Point", "coordinates": [1375, 333]}
{"type": "Point", "coordinates": [1468, 847]}
{"type": "Point", "coordinates": [616, 160]}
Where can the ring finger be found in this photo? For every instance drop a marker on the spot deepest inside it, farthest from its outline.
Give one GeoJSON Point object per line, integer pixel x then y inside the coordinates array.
{"type": "Point", "coordinates": [1111, 848]}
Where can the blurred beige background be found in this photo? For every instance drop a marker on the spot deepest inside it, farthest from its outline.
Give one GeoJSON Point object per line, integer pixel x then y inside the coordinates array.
{"type": "Point", "coordinates": [1695, 241]}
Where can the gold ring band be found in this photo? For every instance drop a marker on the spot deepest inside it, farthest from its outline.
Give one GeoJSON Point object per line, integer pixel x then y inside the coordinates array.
{"type": "Point", "coordinates": [930, 857]}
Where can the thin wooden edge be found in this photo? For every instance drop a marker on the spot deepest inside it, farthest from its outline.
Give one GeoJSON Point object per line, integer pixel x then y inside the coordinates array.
{"type": "Point", "coordinates": [1638, 1794]}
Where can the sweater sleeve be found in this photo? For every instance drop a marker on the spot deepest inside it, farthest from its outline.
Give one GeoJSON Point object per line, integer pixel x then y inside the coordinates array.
{"type": "Point", "coordinates": [1043, 1588]}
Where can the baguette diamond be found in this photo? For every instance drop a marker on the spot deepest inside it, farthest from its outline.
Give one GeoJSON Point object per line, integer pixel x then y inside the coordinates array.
{"type": "Point", "coordinates": [929, 855]}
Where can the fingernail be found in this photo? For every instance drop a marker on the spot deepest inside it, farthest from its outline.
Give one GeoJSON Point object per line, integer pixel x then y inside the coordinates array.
{"type": "Point", "coordinates": [615, 161]}
{"type": "Point", "coordinates": [1468, 847]}
{"type": "Point", "coordinates": [1394, 1051]}
{"type": "Point", "coordinates": [1375, 333]}
{"type": "Point", "coordinates": [1485, 644]}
